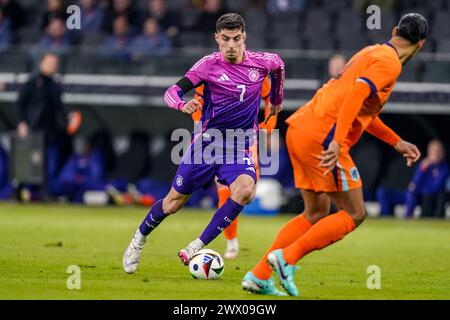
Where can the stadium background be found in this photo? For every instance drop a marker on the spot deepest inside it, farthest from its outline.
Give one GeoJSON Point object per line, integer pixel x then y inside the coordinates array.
{"type": "Point", "coordinates": [122, 92]}
{"type": "Point", "coordinates": [39, 243]}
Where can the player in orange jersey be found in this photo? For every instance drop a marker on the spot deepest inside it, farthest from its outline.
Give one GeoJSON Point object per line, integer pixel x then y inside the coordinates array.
{"type": "Point", "coordinates": [319, 138]}
{"type": "Point", "coordinates": [230, 232]}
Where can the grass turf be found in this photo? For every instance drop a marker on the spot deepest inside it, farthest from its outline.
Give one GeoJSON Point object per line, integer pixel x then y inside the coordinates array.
{"type": "Point", "coordinates": [39, 242]}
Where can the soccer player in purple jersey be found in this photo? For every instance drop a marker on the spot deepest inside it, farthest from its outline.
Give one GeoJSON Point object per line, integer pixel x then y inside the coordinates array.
{"type": "Point", "coordinates": [232, 79]}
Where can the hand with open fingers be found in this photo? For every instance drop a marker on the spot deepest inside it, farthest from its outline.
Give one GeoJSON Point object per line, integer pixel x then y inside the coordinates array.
{"type": "Point", "coordinates": [409, 151]}
{"type": "Point", "coordinates": [329, 157]}
{"type": "Point", "coordinates": [191, 106]}
{"type": "Point", "coordinates": [274, 109]}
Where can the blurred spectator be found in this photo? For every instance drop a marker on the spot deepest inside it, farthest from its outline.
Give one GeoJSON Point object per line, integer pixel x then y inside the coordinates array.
{"type": "Point", "coordinates": [167, 19]}
{"type": "Point", "coordinates": [82, 172]}
{"type": "Point", "coordinates": [5, 32]}
{"type": "Point", "coordinates": [275, 6]}
{"type": "Point", "coordinates": [117, 45]}
{"type": "Point", "coordinates": [212, 10]}
{"type": "Point", "coordinates": [56, 39]}
{"type": "Point", "coordinates": [428, 183]}
{"type": "Point", "coordinates": [40, 110]}
{"type": "Point", "coordinates": [56, 9]}
{"type": "Point", "coordinates": [335, 65]}
{"type": "Point", "coordinates": [121, 8]}
{"type": "Point", "coordinates": [427, 187]}
{"type": "Point", "coordinates": [152, 42]}
{"type": "Point", "coordinates": [14, 11]}
{"type": "Point", "coordinates": [91, 16]}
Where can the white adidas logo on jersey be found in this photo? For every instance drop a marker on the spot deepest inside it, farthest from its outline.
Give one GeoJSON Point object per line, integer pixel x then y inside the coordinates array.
{"type": "Point", "coordinates": [224, 77]}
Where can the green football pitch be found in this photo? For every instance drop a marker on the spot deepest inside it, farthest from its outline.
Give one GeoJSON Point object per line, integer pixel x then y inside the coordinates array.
{"type": "Point", "coordinates": [39, 242]}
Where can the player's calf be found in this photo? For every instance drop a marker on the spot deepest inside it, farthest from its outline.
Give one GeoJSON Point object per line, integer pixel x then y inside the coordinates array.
{"type": "Point", "coordinates": [174, 201]}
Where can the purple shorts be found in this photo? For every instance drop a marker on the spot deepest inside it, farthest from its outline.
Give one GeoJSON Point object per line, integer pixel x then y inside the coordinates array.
{"type": "Point", "coordinates": [191, 176]}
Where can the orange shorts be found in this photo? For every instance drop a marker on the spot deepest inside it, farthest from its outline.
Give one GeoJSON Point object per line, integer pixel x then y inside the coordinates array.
{"type": "Point", "coordinates": [308, 175]}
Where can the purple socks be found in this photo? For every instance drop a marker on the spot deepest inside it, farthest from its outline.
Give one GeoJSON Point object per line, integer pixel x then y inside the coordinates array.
{"type": "Point", "coordinates": [153, 219]}
{"type": "Point", "coordinates": [221, 219]}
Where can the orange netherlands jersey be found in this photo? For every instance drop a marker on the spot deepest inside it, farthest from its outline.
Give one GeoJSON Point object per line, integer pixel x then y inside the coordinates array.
{"type": "Point", "coordinates": [265, 94]}
{"type": "Point", "coordinates": [378, 66]}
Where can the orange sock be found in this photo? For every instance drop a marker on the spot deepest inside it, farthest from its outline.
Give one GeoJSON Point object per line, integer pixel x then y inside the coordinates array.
{"type": "Point", "coordinates": [224, 194]}
{"type": "Point", "coordinates": [292, 231]}
{"type": "Point", "coordinates": [231, 231]}
{"type": "Point", "coordinates": [325, 232]}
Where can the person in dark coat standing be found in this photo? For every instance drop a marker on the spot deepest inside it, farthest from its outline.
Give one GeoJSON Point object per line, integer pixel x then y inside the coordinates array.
{"type": "Point", "coordinates": [40, 110]}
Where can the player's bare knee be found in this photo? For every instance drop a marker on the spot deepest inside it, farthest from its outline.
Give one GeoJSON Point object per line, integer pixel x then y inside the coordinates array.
{"type": "Point", "coordinates": [243, 193]}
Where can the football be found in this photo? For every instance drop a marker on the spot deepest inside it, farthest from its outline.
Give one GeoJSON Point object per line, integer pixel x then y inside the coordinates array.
{"type": "Point", "coordinates": [206, 264]}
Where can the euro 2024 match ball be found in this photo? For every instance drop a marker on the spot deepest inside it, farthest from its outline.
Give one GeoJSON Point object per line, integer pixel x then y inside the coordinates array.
{"type": "Point", "coordinates": [206, 264]}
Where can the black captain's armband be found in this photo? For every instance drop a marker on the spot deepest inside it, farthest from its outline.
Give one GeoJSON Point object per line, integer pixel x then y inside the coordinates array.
{"type": "Point", "coordinates": [186, 85]}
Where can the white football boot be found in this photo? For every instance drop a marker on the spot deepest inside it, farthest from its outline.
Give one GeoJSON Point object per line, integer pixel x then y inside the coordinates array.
{"type": "Point", "coordinates": [133, 253]}
{"type": "Point", "coordinates": [232, 250]}
{"type": "Point", "coordinates": [187, 253]}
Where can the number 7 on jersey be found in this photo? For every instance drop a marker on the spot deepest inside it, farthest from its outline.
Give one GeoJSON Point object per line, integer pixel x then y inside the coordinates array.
{"type": "Point", "coordinates": [242, 87]}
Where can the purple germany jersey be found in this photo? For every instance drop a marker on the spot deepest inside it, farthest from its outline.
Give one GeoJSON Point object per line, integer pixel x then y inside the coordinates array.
{"type": "Point", "coordinates": [231, 95]}
{"type": "Point", "coordinates": [232, 92]}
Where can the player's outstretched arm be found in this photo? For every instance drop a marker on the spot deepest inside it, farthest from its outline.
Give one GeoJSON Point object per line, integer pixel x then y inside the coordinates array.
{"type": "Point", "coordinates": [381, 131]}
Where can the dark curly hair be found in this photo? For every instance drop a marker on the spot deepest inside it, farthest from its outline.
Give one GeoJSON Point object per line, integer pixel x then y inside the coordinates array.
{"type": "Point", "coordinates": [413, 27]}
